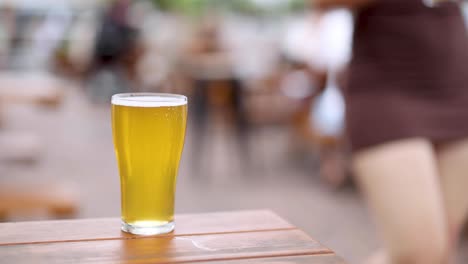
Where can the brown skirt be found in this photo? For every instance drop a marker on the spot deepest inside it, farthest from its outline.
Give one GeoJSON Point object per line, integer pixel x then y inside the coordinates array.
{"type": "Point", "coordinates": [409, 74]}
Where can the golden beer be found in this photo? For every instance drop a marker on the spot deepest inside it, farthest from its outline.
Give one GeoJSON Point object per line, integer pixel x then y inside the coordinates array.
{"type": "Point", "coordinates": [148, 131]}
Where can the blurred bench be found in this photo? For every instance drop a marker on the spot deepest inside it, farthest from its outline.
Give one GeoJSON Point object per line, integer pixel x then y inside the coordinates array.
{"type": "Point", "coordinates": [19, 147]}
{"type": "Point", "coordinates": [30, 88]}
{"type": "Point", "coordinates": [38, 88]}
{"type": "Point", "coordinates": [18, 199]}
{"type": "Point", "coordinates": [25, 200]}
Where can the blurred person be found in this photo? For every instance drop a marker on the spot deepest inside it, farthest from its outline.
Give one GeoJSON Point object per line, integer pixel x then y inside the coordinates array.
{"type": "Point", "coordinates": [216, 86]}
{"type": "Point", "coordinates": [301, 83]}
{"type": "Point", "coordinates": [327, 113]}
{"type": "Point", "coordinates": [7, 31]}
{"type": "Point", "coordinates": [406, 102]}
{"type": "Point", "coordinates": [321, 41]}
{"type": "Point", "coordinates": [75, 55]}
{"type": "Point", "coordinates": [115, 53]}
{"type": "Point", "coordinates": [48, 35]}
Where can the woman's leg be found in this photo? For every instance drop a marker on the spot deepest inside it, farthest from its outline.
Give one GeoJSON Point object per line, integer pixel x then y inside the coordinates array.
{"type": "Point", "coordinates": [400, 181]}
{"type": "Point", "coordinates": [453, 167]}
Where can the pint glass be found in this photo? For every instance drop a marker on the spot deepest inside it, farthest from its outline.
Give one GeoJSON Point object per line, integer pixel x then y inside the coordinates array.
{"type": "Point", "coordinates": [148, 131]}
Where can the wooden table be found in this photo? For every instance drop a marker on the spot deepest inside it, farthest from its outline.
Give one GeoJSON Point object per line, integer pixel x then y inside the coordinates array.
{"type": "Point", "coordinates": [215, 238]}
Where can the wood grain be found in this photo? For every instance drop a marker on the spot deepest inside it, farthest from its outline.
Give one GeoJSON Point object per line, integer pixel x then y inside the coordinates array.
{"type": "Point", "coordinates": [305, 259]}
{"type": "Point", "coordinates": [179, 249]}
{"type": "Point", "coordinates": [109, 228]}
{"type": "Point", "coordinates": [252, 237]}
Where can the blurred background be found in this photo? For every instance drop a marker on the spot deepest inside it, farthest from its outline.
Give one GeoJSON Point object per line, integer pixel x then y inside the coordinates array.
{"type": "Point", "coordinates": [266, 113]}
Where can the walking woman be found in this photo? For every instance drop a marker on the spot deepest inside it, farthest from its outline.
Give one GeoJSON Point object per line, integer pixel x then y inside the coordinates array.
{"type": "Point", "coordinates": [407, 122]}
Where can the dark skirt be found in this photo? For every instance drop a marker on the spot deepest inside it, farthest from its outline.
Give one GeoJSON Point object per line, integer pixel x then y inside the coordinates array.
{"type": "Point", "coordinates": [409, 74]}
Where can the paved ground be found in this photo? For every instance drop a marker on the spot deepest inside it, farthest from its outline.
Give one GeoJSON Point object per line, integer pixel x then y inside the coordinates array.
{"type": "Point", "coordinates": [77, 148]}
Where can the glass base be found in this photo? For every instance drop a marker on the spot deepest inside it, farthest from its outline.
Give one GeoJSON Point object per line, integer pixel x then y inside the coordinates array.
{"type": "Point", "coordinates": [148, 228]}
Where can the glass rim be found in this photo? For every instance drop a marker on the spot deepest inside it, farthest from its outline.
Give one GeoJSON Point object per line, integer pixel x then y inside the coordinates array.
{"type": "Point", "coordinates": [156, 99]}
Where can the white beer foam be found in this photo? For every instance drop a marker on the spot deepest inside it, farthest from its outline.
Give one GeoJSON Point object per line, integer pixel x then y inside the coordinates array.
{"type": "Point", "coordinates": [161, 100]}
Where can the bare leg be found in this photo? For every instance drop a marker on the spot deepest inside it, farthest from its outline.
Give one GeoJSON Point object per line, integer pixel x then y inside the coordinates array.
{"type": "Point", "coordinates": [379, 257]}
{"type": "Point", "coordinates": [400, 182]}
{"type": "Point", "coordinates": [453, 166]}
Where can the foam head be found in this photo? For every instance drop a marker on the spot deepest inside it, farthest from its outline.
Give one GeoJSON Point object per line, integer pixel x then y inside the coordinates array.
{"type": "Point", "coordinates": [148, 99]}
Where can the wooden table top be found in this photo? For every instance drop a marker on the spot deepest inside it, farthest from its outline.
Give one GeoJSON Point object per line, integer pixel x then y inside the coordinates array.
{"type": "Point", "coordinates": [226, 237]}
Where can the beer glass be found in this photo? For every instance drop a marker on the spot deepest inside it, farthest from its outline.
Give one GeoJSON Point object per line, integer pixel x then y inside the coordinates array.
{"type": "Point", "coordinates": [148, 131]}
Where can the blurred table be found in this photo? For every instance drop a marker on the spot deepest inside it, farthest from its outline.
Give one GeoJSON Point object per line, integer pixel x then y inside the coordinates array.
{"type": "Point", "coordinates": [228, 237]}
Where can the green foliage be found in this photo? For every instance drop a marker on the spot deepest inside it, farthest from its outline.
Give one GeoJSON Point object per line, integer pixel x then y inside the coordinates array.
{"type": "Point", "coordinates": [184, 6]}
{"type": "Point", "coordinates": [196, 7]}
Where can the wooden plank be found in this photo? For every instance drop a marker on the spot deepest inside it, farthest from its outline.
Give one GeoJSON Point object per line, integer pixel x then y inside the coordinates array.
{"type": "Point", "coordinates": [305, 259]}
{"type": "Point", "coordinates": [109, 228]}
{"type": "Point", "coordinates": [197, 248]}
